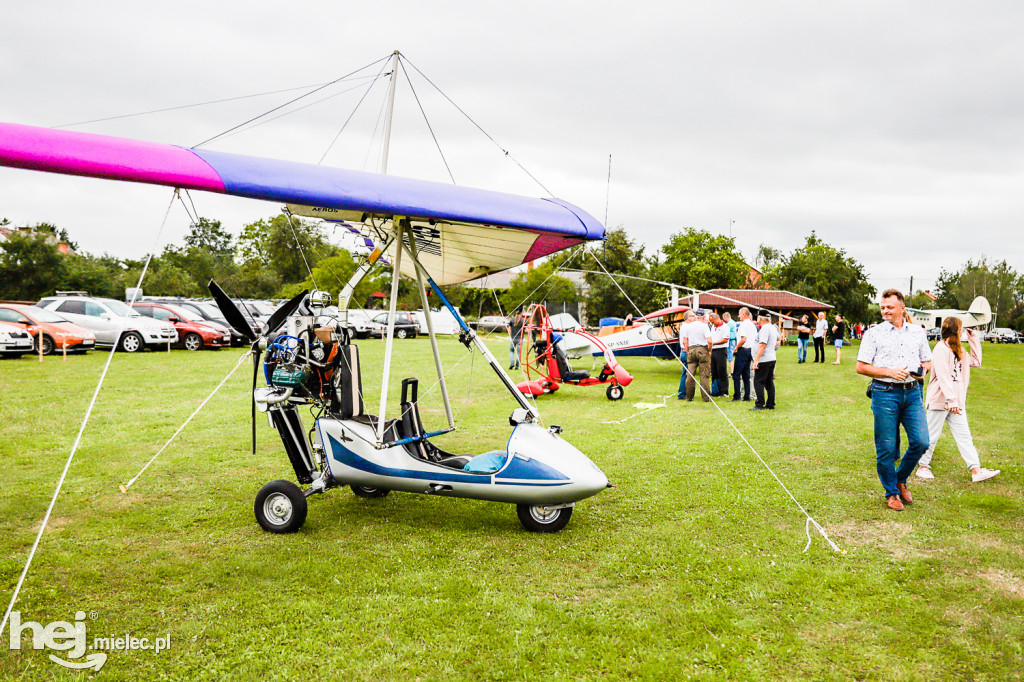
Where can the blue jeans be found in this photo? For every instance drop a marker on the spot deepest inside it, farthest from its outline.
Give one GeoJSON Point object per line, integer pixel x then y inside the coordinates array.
{"type": "Point", "coordinates": [801, 349]}
{"type": "Point", "coordinates": [730, 349]}
{"type": "Point", "coordinates": [681, 393]}
{"type": "Point", "coordinates": [893, 406]}
{"type": "Point", "coordinates": [741, 370]}
{"type": "Point", "coordinates": [513, 355]}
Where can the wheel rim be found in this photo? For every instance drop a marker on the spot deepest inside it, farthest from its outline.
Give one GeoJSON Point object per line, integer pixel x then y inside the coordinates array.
{"type": "Point", "coordinates": [47, 345]}
{"type": "Point", "coordinates": [544, 515]}
{"type": "Point", "coordinates": [131, 343]}
{"type": "Point", "coordinates": [277, 509]}
{"type": "Point", "coordinates": [400, 333]}
{"type": "Point", "coordinates": [193, 342]}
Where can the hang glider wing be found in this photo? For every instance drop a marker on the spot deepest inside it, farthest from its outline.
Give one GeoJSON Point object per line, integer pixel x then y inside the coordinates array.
{"type": "Point", "coordinates": [462, 233]}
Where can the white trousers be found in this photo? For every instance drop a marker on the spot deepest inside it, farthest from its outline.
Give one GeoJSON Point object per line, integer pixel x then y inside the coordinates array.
{"type": "Point", "coordinates": [961, 434]}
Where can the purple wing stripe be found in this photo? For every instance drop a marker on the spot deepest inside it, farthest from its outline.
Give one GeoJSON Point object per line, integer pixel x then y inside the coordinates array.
{"type": "Point", "coordinates": [101, 156]}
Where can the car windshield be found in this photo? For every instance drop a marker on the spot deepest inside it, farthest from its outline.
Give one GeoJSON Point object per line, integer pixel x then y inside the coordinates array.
{"type": "Point", "coordinates": [184, 313]}
{"type": "Point", "coordinates": [118, 308]}
{"type": "Point", "coordinates": [41, 315]}
{"type": "Point", "coordinates": [209, 310]}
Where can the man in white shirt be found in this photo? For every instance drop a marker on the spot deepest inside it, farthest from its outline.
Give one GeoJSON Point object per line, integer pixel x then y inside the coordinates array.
{"type": "Point", "coordinates": [768, 339]}
{"type": "Point", "coordinates": [820, 329]}
{"type": "Point", "coordinates": [719, 356]}
{"type": "Point", "coordinates": [695, 336]}
{"type": "Point", "coordinates": [893, 354]}
{"type": "Point", "coordinates": [746, 339]}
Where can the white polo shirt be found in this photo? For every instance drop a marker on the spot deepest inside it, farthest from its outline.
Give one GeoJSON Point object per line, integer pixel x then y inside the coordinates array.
{"type": "Point", "coordinates": [749, 330]}
{"type": "Point", "coordinates": [820, 327]}
{"type": "Point", "coordinates": [769, 336]}
{"type": "Point", "coordinates": [696, 333]}
{"type": "Point", "coordinates": [720, 336]}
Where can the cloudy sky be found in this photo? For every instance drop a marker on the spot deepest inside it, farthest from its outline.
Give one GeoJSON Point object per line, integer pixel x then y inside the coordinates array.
{"type": "Point", "coordinates": [891, 128]}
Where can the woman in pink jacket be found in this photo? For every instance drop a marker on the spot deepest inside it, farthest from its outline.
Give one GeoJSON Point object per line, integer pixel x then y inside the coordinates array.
{"type": "Point", "coordinates": [947, 395]}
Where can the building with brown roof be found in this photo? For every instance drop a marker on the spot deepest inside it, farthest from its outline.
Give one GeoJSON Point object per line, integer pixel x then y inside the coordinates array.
{"type": "Point", "coordinates": [773, 300]}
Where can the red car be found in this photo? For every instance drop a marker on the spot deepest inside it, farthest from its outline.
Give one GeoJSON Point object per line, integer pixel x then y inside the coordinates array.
{"type": "Point", "coordinates": [193, 331]}
{"type": "Point", "coordinates": [58, 333]}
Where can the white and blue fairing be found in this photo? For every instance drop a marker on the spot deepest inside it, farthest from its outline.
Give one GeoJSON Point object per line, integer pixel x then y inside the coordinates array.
{"type": "Point", "coordinates": [540, 467]}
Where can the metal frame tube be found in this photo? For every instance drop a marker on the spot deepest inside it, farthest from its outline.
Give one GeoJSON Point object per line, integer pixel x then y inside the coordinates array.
{"type": "Point", "coordinates": [396, 274]}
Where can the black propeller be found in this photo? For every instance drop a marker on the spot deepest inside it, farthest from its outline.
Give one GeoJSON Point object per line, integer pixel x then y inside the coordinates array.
{"type": "Point", "coordinates": [237, 320]}
{"type": "Point", "coordinates": [231, 312]}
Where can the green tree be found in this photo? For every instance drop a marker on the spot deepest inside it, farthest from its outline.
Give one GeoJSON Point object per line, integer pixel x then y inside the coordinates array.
{"type": "Point", "coordinates": [30, 266]}
{"type": "Point", "coordinates": [539, 286]}
{"type": "Point", "coordinates": [209, 235]}
{"type": "Point", "coordinates": [920, 301]}
{"type": "Point", "coordinates": [996, 281]}
{"type": "Point", "coordinates": [698, 259]}
{"type": "Point", "coordinates": [283, 246]}
{"type": "Point", "coordinates": [825, 273]}
{"type": "Point", "coordinates": [620, 296]}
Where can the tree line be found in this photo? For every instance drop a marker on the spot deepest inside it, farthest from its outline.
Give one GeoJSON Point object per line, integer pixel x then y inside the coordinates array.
{"type": "Point", "coordinates": [279, 256]}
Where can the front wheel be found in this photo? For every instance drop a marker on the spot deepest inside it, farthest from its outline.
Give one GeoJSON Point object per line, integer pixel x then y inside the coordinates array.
{"type": "Point", "coordinates": [132, 343]}
{"type": "Point", "coordinates": [47, 344]}
{"type": "Point", "coordinates": [280, 507]}
{"type": "Point", "coordinates": [193, 341]}
{"type": "Point", "coordinates": [369, 491]}
{"type": "Point", "coordinates": [615, 392]}
{"type": "Point", "coordinates": [540, 519]}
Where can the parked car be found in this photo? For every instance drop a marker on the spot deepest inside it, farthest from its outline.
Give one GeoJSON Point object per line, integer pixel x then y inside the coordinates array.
{"type": "Point", "coordinates": [104, 317]}
{"type": "Point", "coordinates": [934, 334]}
{"type": "Point", "coordinates": [492, 323]}
{"type": "Point", "coordinates": [194, 332]}
{"type": "Point", "coordinates": [358, 321]}
{"type": "Point", "coordinates": [209, 312]}
{"type": "Point", "coordinates": [1003, 335]}
{"type": "Point", "coordinates": [14, 341]}
{"type": "Point", "coordinates": [405, 325]}
{"type": "Point", "coordinates": [57, 333]}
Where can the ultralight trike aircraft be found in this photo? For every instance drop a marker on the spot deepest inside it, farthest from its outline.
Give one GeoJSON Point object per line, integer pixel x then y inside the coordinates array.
{"type": "Point", "coordinates": [433, 233]}
{"type": "Point", "coordinates": [542, 356]}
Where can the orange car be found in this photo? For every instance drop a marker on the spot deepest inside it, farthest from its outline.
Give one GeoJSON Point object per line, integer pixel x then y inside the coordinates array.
{"type": "Point", "coordinates": [58, 333]}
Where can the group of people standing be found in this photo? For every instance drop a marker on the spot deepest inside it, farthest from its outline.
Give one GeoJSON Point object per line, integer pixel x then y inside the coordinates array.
{"type": "Point", "coordinates": [819, 332]}
{"type": "Point", "coordinates": [709, 343]}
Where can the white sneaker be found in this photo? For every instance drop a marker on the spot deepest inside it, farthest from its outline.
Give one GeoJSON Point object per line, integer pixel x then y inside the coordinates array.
{"type": "Point", "coordinates": [984, 474]}
{"type": "Point", "coordinates": [925, 472]}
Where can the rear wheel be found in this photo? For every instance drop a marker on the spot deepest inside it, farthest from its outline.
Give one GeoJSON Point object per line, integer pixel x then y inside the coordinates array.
{"type": "Point", "coordinates": [401, 333]}
{"type": "Point", "coordinates": [280, 507]}
{"type": "Point", "coordinates": [193, 341]}
{"type": "Point", "coordinates": [540, 519]}
{"type": "Point", "coordinates": [47, 344]}
{"type": "Point", "coordinates": [132, 343]}
{"type": "Point", "coordinates": [615, 392]}
{"type": "Point", "coordinates": [369, 491]}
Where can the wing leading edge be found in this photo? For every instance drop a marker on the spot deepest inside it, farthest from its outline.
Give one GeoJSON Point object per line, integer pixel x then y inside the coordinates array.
{"type": "Point", "coordinates": [479, 231]}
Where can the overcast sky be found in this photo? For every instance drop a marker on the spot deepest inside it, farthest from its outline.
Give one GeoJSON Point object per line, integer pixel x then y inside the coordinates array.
{"type": "Point", "coordinates": [894, 129]}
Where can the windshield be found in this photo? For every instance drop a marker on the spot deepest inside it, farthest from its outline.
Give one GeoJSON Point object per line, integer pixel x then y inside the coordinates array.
{"type": "Point", "coordinates": [184, 313]}
{"type": "Point", "coordinates": [41, 315]}
{"type": "Point", "coordinates": [118, 308]}
{"type": "Point", "coordinates": [209, 310]}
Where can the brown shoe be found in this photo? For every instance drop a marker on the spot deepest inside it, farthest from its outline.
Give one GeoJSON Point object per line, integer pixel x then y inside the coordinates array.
{"type": "Point", "coordinates": [894, 503]}
{"type": "Point", "coordinates": [905, 495]}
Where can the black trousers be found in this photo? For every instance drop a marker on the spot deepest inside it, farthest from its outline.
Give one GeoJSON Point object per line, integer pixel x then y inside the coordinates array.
{"type": "Point", "coordinates": [741, 370]}
{"type": "Point", "coordinates": [764, 383]}
{"type": "Point", "coordinates": [819, 349]}
{"type": "Point", "coordinates": [719, 372]}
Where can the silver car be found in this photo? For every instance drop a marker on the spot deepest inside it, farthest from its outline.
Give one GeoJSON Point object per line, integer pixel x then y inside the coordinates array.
{"type": "Point", "coordinates": [105, 317]}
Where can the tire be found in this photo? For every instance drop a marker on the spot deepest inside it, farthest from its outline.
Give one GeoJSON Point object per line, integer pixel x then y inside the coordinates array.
{"type": "Point", "coordinates": [369, 492]}
{"type": "Point", "coordinates": [132, 343]}
{"type": "Point", "coordinates": [48, 344]}
{"type": "Point", "coordinates": [280, 507]}
{"type": "Point", "coordinates": [536, 519]}
{"type": "Point", "coordinates": [192, 341]}
{"type": "Point", "coordinates": [401, 333]}
{"type": "Point", "coordinates": [615, 392]}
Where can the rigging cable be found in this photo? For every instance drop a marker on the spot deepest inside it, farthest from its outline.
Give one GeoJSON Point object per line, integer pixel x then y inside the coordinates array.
{"type": "Point", "coordinates": [354, 110]}
{"type": "Point", "coordinates": [427, 121]}
{"type": "Point", "coordinates": [486, 134]}
{"type": "Point", "coordinates": [291, 101]}
{"type": "Point", "coordinates": [85, 421]}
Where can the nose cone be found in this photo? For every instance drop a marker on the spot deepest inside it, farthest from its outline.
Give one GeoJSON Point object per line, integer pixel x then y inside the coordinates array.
{"type": "Point", "coordinates": [590, 480]}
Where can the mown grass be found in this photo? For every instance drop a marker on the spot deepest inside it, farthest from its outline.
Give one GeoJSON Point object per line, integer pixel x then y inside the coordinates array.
{"type": "Point", "coordinates": [691, 567]}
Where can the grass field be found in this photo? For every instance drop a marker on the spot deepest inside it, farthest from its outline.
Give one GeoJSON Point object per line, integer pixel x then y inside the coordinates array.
{"type": "Point", "coordinates": [692, 567]}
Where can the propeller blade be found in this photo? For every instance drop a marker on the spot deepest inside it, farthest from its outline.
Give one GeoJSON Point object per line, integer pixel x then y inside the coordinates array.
{"type": "Point", "coordinates": [282, 313]}
{"type": "Point", "coordinates": [231, 312]}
